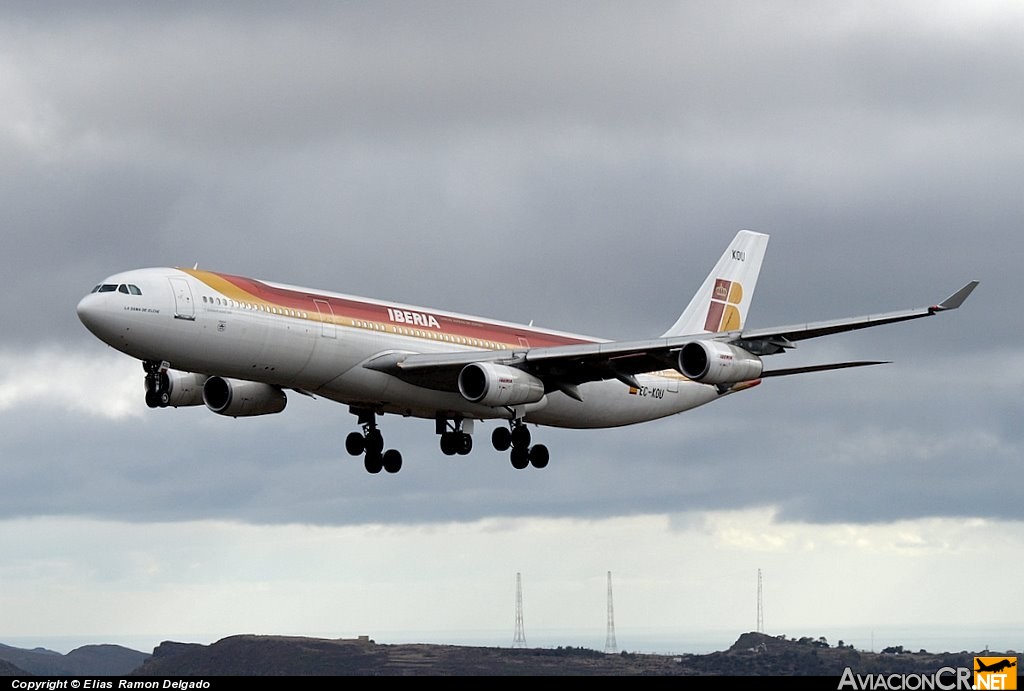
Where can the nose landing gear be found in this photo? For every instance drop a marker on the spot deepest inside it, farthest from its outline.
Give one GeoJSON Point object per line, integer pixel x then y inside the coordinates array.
{"type": "Point", "coordinates": [158, 384]}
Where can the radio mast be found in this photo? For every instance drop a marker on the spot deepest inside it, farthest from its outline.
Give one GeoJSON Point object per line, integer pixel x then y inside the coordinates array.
{"type": "Point", "coordinates": [519, 639]}
{"type": "Point", "coordinates": [610, 646]}
{"type": "Point", "coordinates": [760, 605]}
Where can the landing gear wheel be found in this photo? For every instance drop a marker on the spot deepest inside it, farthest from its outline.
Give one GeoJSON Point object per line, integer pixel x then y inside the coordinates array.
{"type": "Point", "coordinates": [355, 444]}
{"type": "Point", "coordinates": [164, 399]}
{"type": "Point", "coordinates": [465, 444]}
{"type": "Point", "coordinates": [373, 462]}
{"type": "Point", "coordinates": [520, 457]}
{"type": "Point", "coordinates": [539, 456]}
{"type": "Point", "coordinates": [152, 400]}
{"type": "Point", "coordinates": [392, 461]}
{"type": "Point", "coordinates": [450, 443]}
{"type": "Point", "coordinates": [374, 442]}
{"type": "Point", "coordinates": [370, 444]}
{"type": "Point", "coordinates": [521, 436]}
{"type": "Point", "coordinates": [501, 439]}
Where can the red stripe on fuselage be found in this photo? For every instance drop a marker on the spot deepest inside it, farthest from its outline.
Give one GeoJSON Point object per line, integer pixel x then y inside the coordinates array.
{"type": "Point", "coordinates": [348, 308]}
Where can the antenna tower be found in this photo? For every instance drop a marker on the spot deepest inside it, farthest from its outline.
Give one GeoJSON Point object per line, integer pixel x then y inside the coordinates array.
{"type": "Point", "coordinates": [519, 639]}
{"type": "Point", "coordinates": [760, 605]}
{"type": "Point", "coordinates": [610, 646]}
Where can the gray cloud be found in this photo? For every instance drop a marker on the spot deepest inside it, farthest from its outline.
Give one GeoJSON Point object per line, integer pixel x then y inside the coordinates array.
{"type": "Point", "coordinates": [580, 165]}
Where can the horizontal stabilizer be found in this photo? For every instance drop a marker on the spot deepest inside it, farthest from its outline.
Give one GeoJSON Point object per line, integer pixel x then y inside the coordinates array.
{"type": "Point", "coordinates": [820, 368]}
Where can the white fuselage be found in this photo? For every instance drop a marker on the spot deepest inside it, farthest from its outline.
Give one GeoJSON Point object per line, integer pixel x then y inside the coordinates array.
{"type": "Point", "coordinates": [317, 342]}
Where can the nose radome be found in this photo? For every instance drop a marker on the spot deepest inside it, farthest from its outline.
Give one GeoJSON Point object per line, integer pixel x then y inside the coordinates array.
{"type": "Point", "coordinates": [90, 310]}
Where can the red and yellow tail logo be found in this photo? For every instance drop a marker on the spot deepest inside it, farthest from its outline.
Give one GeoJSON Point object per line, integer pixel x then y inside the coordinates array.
{"type": "Point", "coordinates": [995, 673]}
{"type": "Point", "coordinates": [724, 311]}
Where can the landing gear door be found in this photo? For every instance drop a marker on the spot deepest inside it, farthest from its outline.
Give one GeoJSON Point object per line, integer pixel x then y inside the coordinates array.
{"type": "Point", "coordinates": [183, 305]}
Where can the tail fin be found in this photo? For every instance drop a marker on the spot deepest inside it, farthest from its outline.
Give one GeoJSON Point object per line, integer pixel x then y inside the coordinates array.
{"type": "Point", "coordinates": [722, 302]}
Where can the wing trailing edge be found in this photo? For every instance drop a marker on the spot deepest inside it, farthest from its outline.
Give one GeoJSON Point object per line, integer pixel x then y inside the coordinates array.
{"type": "Point", "coordinates": [821, 368]}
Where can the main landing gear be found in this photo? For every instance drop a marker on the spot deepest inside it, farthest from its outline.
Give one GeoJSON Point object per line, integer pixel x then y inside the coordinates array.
{"type": "Point", "coordinates": [517, 437]}
{"type": "Point", "coordinates": [456, 436]}
{"type": "Point", "coordinates": [370, 445]}
{"type": "Point", "coordinates": [456, 439]}
{"type": "Point", "coordinates": [158, 385]}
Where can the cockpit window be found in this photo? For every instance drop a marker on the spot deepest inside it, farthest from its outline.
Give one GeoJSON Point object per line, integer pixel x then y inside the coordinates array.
{"type": "Point", "coordinates": [126, 288]}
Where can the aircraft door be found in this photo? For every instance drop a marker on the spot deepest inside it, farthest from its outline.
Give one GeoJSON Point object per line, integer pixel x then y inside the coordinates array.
{"type": "Point", "coordinates": [183, 305]}
{"type": "Point", "coordinates": [326, 312]}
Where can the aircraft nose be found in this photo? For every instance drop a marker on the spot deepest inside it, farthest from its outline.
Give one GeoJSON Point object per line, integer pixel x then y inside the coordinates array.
{"type": "Point", "coordinates": [90, 312]}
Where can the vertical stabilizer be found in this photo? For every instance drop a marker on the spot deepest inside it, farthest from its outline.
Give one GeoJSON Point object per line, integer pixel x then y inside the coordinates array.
{"type": "Point", "coordinates": [724, 298]}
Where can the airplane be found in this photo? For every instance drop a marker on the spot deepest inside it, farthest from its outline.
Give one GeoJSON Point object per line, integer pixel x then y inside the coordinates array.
{"type": "Point", "coordinates": [236, 345]}
{"type": "Point", "coordinates": [996, 666]}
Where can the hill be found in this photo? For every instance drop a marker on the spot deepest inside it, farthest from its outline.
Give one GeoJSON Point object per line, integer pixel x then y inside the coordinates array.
{"type": "Point", "coordinates": [89, 660]}
{"type": "Point", "coordinates": [251, 655]}
{"type": "Point", "coordinates": [752, 654]}
{"type": "Point", "coordinates": [9, 670]}
{"type": "Point", "coordinates": [290, 656]}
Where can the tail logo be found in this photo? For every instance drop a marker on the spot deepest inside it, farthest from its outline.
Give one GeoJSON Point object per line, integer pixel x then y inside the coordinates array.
{"type": "Point", "coordinates": [724, 310]}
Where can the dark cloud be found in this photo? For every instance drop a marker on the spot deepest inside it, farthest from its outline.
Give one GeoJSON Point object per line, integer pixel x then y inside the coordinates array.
{"type": "Point", "coordinates": [860, 448]}
{"type": "Point", "coordinates": [582, 166]}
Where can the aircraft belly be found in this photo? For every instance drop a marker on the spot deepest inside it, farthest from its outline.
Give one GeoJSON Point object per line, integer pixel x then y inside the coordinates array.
{"type": "Point", "coordinates": [614, 404]}
{"type": "Point", "coordinates": [365, 387]}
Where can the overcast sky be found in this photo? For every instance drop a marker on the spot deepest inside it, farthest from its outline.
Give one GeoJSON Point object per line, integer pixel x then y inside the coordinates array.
{"type": "Point", "coordinates": [579, 164]}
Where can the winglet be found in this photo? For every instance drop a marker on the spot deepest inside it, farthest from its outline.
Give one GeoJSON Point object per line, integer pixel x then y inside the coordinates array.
{"type": "Point", "coordinates": [956, 299]}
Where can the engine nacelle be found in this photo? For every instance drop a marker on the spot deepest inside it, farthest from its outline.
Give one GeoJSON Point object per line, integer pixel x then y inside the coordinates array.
{"type": "Point", "coordinates": [184, 388]}
{"type": "Point", "coordinates": [499, 385]}
{"type": "Point", "coordinates": [236, 398]}
{"type": "Point", "coordinates": [713, 362]}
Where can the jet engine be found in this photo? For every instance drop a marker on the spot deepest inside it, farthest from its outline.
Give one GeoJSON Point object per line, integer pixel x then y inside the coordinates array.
{"type": "Point", "coordinates": [236, 398]}
{"type": "Point", "coordinates": [714, 362]}
{"type": "Point", "coordinates": [499, 385]}
{"type": "Point", "coordinates": [184, 388]}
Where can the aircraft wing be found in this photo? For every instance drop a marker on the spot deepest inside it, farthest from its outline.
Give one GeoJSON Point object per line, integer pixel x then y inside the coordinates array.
{"type": "Point", "coordinates": [801, 332]}
{"type": "Point", "coordinates": [565, 367]}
